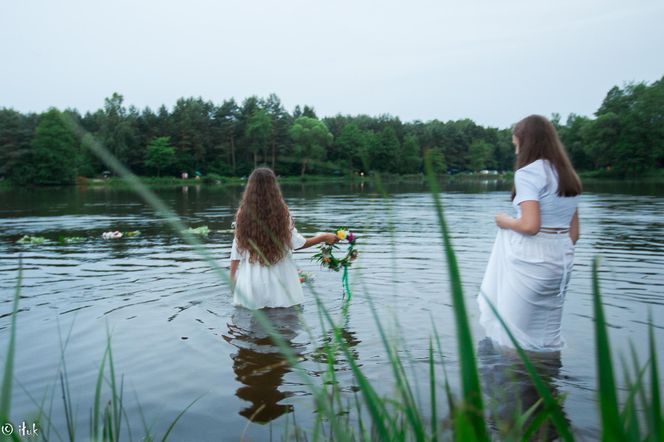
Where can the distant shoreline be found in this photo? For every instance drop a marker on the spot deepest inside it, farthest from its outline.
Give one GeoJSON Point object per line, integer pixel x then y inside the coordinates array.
{"type": "Point", "coordinates": [602, 174]}
{"type": "Point", "coordinates": [118, 182]}
{"type": "Point", "coordinates": [656, 175]}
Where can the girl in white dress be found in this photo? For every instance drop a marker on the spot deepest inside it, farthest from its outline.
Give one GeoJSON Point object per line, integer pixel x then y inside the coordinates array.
{"type": "Point", "coordinates": [531, 261]}
{"type": "Point", "coordinates": [262, 269]}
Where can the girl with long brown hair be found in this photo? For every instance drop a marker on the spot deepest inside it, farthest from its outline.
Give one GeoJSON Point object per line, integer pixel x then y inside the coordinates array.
{"type": "Point", "coordinates": [531, 261]}
{"type": "Point", "coordinates": [262, 269]}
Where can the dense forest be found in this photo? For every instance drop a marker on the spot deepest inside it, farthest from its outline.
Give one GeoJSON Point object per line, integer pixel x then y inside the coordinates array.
{"type": "Point", "coordinates": [626, 135]}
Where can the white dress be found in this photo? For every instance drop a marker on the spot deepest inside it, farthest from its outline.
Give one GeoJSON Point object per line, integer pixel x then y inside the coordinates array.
{"type": "Point", "coordinates": [527, 276]}
{"type": "Point", "coordinates": [277, 285]}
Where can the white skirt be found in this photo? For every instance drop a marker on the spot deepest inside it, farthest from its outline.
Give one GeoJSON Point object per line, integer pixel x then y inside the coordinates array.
{"type": "Point", "coordinates": [277, 285]}
{"type": "Point", "coordinates": [525, 280]}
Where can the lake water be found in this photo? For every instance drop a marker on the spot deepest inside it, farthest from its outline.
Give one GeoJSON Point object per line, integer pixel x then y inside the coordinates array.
{"type": "Point", "coordinates": [176, 336]}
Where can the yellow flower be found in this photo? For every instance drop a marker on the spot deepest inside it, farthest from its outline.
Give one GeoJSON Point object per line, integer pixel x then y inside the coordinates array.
{"type": "Point", "coordinates": [341, 234]}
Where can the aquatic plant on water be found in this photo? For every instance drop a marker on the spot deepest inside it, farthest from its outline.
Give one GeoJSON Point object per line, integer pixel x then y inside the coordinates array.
{"type": "Point", "coordinates": [200, 231]}
{"type": "Point", "coordinates": [34, 240]}
{"type": "Point", "coordinates": [70, 239]}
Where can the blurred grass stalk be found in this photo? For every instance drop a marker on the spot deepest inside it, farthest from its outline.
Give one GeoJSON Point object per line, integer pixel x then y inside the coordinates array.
{"type": "Point", "coordinates": [174, 222]}
{"type": "Point", "coordinates": [372, 416]}
{"type": "Point", "coordinates": [105, 423]}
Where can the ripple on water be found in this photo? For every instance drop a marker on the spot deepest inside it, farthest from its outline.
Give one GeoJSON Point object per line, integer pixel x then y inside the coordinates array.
{"type": "Point", "coordinates": [176, 335]}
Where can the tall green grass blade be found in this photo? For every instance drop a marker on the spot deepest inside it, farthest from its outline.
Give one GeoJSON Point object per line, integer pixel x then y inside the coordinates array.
{"type": "Point", "coordinates": [41, 412]}
{"type": "Point", "coordinates": [66, 400]}
{"type": "Point", "coordinates": [115, 415]}
{"type": "Point", "coordinates": [412, 378]}
{"type": "Point", "coordinates": [375, 406]}
{"type": "Point", "coordinates": [129, 433]}
{"type": "Point", "coordinates": [331, 380]}
{"type": "Point", "coordinates": [608, 400]}
{"type": "Point", "coordinates": [120, 408]}
{"type": "Point", "coordinates": [656, 418]}
{"type": "Point", "coordinates": [470, 382]}
{"type": "Point", "coordinates": [639, 386]}
{"type": "Point", "coordinates": [448, 391]}
{"type": "Point", "coordinates": [95, 423]}
{"type": "Point", "coordinates": [176, 224]}
{"type": "Point", "coordinates": [360, 420]}
{"type": "Point", "coordinates": [330, 350]}
{"type": "Point", "coordinates": [70, 413]}
{"type": "Point", "coordinates": [177, 418]}
{"type": "Point", "coordinates": [533, 423]}
{"type": "Point", "coordinates": [46, 430]}
{"type": "Point", "coordinates": [463, 428]}
{"type": "Point", "coordinates": [410, 407]}
{"type": "Point", "coordinates": [550, 403]}
{"type": "Point", "coordinates": [432, 384]}
{"type": "Point", "coordinates": [407, 402]}
{"type": "Point", "coordinates": [629, 418]}
{"type": "Point", "coordinates": [629, 415]}
{"type": "Point", "coordinates": [7, 378]}
{"type": "Point", "coordinates": [147, 429]}
{"type": "Point", "coordinates": [108, 423]}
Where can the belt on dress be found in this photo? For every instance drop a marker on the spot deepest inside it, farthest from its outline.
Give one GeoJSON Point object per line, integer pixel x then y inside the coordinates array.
{"type": "Point", "coordinates": [554, 229]}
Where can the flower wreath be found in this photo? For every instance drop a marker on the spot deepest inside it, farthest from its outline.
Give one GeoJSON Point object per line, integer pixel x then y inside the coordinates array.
{"type": "Point", "coordinates": [325, 256]}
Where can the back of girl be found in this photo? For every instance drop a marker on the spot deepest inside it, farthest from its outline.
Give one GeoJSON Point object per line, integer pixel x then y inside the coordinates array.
{"type": "Point", "coordinates": [262, 268]}
{"type": "Point", "coordinates": [531, 261]}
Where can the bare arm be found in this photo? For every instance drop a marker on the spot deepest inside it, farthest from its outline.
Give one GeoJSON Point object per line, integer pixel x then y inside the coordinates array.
{"type": "Point", "coordinates": [234, 265]}
{"type": "Point", "coordinates": [528, 224]}
{"type": "Point", "coordinates": [329, 238]}
{"type": "Point", "coordinates": [574, 228]}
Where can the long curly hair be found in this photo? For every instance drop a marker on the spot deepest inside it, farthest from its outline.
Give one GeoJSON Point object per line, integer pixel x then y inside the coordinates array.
{"type": "Point", "coordinates": [538, 139]}
{"type": "Point", "coordinates": [262, 222]}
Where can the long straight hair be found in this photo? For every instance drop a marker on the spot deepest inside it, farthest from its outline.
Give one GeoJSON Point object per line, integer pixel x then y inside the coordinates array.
{"type": "Point", "coordinates": [263, 222]}
{"type": "Point", "coordinates": [537, 140]}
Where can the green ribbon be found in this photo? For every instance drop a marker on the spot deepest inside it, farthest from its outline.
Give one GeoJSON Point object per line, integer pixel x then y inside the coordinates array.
{"type": "Point", "coordinates": [344, 281]}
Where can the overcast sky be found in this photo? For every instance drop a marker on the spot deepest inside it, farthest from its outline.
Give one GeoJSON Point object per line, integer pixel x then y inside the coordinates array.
{"type": "Point", "coordinates": [492, 61]}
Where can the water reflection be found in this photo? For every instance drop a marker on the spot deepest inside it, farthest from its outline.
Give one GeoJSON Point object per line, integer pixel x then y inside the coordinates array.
{"type": "Point", "coordinates": [329, 351]}
{"type": "Point", "coordinates": [258, 364]}
{"type": "Point", "coordinates": [512, 393]}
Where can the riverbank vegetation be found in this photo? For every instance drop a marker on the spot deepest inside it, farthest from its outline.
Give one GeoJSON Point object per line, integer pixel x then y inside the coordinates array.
{"type": "Point", "coordinates": [197, 137]}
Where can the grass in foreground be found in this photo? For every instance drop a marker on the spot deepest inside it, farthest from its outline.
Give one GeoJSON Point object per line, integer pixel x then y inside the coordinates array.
{"type": "Point", "coordinates": [369, 415]}
{"type": "Point", "coordinates": [107, 414]}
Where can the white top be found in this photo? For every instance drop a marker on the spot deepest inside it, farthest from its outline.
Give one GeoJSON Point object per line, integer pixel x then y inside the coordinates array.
{"type": "Point", "coordinates": [538, 181]}
{"type": "Point", "coordinates": [277, 285]}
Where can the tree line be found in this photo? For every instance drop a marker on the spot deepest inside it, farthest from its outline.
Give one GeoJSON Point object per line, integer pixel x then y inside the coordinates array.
{"type": "Point", "coordinates": [199, 137]}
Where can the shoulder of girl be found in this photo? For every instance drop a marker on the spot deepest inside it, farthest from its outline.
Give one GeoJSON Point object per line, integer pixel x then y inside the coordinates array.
{"type": "Point", "coordinates": [529, 171]}
{"type": "Point", "coordinates": [535, 166]}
